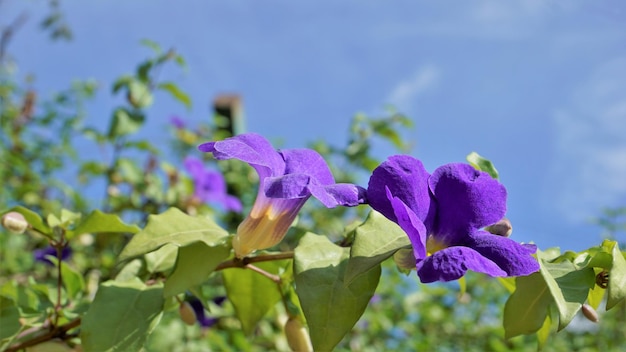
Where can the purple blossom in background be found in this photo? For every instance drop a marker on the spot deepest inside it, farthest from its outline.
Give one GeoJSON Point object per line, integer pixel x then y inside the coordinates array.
{"type": "Point", "coordinates": [443, 215]}
{"type": "Point", "coordinates": [209, 185]}
{"type": "Point", "coordinates": [287, 179]}
{"type": "Point", "coordinates": [40, 254]}
{"type": "Point", "coordinates": [177, 122]}
{"type": "Point", "coordinates": [201, 317]}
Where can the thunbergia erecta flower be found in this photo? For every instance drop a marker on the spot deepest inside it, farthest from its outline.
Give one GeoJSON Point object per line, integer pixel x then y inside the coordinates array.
{"type": "Point", "coordinates": [201, 318]}
{"type": "Point", "coordinates": [41, 254]}
{"type": "Point", "coordinates": [177, 122]}
{"type": "Point", "coordinates": [444, 215]}
{"type": "Point", "coordinates": [209, 185]}
{"type": "Point", "coordinates": [287, 178]}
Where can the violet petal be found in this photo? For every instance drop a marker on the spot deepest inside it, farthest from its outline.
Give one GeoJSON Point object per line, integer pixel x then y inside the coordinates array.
{"type": "Point", "coordinates": [407, 179]}
{"type": "Point", "coordinates": [467, 199]}
{"type": "Point", "coordinates": [514, 258]}
{"type": "Point", "coordinates": [250, 148]}
{"type": "Point", "coordinates": [408, 221]}
{"type": "Point", "coordinates": [308, 162]}
{"type": "Point", "coordinates": [453, 262]}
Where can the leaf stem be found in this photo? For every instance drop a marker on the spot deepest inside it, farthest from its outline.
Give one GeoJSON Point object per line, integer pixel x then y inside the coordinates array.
{"type": "Point", "coordinates": [270, 276]}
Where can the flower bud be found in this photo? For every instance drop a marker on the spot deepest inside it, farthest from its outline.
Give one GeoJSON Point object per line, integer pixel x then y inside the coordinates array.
{"type": "Point", "coordinates": [297, 335]}
{"type": "Point", "coordinates": [14, 222]}
{"type": "Point", "coordinates": [590, 313]}
{"type": "Point", "coordinates": [187, 315]}
{"type": "Point", "coordinates": [502, 228]}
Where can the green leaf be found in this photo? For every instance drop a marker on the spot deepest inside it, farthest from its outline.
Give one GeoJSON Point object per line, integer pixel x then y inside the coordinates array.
{"type": "Point", "coordinates": [375, 240]}
{"type": "Point", "coordinates": [331, 305]}
{"type": "Point", "coordinates": [161, 260]}
{"type": "Point", "coordinates": [194, 263]}
{"type": "Point", "coordinates": [251, 293]}
{"type": "Point", "coordinates": [175, 227]}
{"type": "Point", "coordinates": [9, 318]}
{"type": "Point", "coordinates": [130, 171]}
{"type": "Point", "coordinates": [142, 145]}
{"type": "Point", "coordinates": [33, 219]}
{"type": "Point", "coordinates": [53, 221]}
{"type": "Point", "coordinates": [596, 294]}
{"type": "Point", "coordinates": [139, 94]}
{"type": "Point", "coordinates": [99, 222]}
{"type": "Point", "coordinates": [617, 275]}
{"type": "Point", "coordinates": [544, 332]}
{"type": "Point", "coordinates": [526, 309]}
{"type": "Point", "coordinates": [67, 216]}
{"type": "Point", "coordinates": [508, 283]}
{"type": "Point", "coordinates": [130, 271]}
{"type": "Point", "coordinates": [143, 71]}
{"type": "Point", "coordinates": [568, 286]}
{"type": "Point", "coordinates": [152, 45]}
{"type": "Point", "coordinates": [125, 122]}
{"type": "Point", "coordinates": [121, 82]}
{"type": "Point", "coordinates": [176, 93]}
{"type": "Point", "coordinates": [121, 316]}
{"type": "Point", "coordinates": [482, 164]}
{"type": "Point", "coordinates": [31, 299]}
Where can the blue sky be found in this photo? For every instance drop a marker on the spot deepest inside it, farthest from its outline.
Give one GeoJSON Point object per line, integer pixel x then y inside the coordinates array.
{"type": "Point", "coordinates": [539, 86]}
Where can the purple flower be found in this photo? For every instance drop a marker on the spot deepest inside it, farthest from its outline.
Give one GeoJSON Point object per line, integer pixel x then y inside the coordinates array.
{"type": "Point", "coordinates": [201, 317]}
{"type": "Point", "coordinates": [177, 122]}
{"type": "Point", "coordinates": [209, 185]}
{"type": "Point", "coordinates": [287, 179]}
{"type": "Point", "coordinates": [40, 254]}
{"type": "Point", "coordinates": [443, 215]}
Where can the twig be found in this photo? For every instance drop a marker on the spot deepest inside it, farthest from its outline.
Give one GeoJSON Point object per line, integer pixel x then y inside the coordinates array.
{"type": "Point", "coordinates": [57, 332]}
{"type": "Point", "coordinates": [8, 32]}
{"type": "Point", "coordinates": [270, 276]}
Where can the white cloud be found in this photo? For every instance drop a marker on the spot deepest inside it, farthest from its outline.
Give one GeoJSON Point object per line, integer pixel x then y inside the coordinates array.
{"type": "Point", "coordinates": [589, 169]}
{"type": "Point", "coordinates": [404, 95]}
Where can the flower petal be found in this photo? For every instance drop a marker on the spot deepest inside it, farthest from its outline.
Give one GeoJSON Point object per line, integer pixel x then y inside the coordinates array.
{"type": "Point", "coordinates": [408, 221]}
{"type": "Point", "coordinates": [288, 186]}
{"type": "Point", "coordinates": [299, 186]}
{"type": "Point", "coordinates": [467, 199]}
{"type": "Point", "coordinates": [194, 166]}
{"type": "Point", "coordinates": [307, 162]}
{"type": "Point", "coordinates": [250, 148]}
{"type": "Point", "coordinates": [344, 194]}
{"type": "Point", "coordinates": [231, 203]}
{"type": "Point", "coordinates": [407, 179]}
{"type": "Point", "coordinates": [514, 258]}
{"type": "Point", "coordinates": [453, 262]}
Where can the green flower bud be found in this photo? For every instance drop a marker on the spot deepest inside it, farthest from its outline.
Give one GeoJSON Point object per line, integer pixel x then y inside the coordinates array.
{"type": "Point", "coordinates": [590, 313]}
{"type": "Point", "coordinates": [14, 222]}
{"type": "Point", "coordinates": [187, 315]}
{"type": "Point", "coordinates": [501, 228]}
{"type": "Point", "coordinates": [297, 335]}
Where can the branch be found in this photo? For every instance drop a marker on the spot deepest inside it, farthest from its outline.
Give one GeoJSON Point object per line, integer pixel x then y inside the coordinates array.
{"type": "Point", "coordinates": [54, 333]}
{"type": "Point", "coordinates": [8, 32]}
{"type": "Point", "coordinates": [242, 263]}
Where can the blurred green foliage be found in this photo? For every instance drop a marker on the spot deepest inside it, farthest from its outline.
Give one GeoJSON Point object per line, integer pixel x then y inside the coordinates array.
{"type": "Point", "coordinates": [140, 243]}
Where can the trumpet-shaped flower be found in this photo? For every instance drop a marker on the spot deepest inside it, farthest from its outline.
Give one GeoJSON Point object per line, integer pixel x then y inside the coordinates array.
{"type": "Point", "coordinates": [209, 185]}
{"type": "Point", "coordinates": [287, 178]}
{"type": "Point", "coordinates": [41, 255]}
{"type": "Point", "coordinates": [444, 215]}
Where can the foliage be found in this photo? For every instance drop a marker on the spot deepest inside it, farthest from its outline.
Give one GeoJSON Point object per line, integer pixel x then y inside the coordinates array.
{"type": "Point", "coordinates": [151, 247]}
